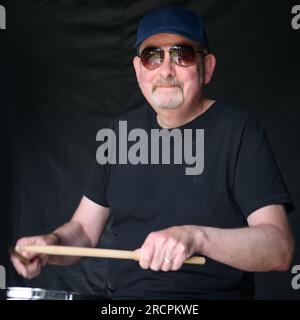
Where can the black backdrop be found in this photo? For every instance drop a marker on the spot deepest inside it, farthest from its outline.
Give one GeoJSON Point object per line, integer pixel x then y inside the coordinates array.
{"type": "Point", "coordinates": [66, 73]}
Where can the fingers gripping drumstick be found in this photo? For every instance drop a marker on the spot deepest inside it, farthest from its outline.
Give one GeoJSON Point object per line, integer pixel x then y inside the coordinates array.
{"type": "Point", "coordinates": [16, 254]}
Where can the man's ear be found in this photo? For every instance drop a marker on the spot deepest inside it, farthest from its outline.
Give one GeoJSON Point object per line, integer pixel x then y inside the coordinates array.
{"type": "Point", "coordinates": [137, 67]}
{"type": "Point", "coordinates": [210, 64]}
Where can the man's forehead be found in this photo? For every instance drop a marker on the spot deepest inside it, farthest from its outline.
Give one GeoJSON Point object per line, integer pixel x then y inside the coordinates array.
{"type": "Point", "coordinates": [165, 40]}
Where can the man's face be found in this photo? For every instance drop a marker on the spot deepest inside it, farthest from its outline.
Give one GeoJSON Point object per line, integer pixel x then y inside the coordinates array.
{"type": "Point", "coordinates": [170, 86]}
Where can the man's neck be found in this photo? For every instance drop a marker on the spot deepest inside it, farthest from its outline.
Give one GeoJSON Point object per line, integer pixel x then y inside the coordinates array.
{"type": "Point", "coordinates": [174, 118]}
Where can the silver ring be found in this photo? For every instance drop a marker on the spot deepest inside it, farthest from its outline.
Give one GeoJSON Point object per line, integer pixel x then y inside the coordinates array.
{"type": "Point", "coordinates": [168, 260]}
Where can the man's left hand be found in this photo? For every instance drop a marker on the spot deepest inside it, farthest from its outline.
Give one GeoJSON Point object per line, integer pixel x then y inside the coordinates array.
{"type": "Point", "coordinates": [167, 249]}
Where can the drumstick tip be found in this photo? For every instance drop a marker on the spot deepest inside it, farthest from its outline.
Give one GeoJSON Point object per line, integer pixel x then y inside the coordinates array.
{"type": "Point", "coordinates": [18, 248]}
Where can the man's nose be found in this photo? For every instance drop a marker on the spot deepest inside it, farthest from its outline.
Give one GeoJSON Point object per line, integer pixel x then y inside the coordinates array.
{"type": "Point", "coordinates": [167, 68]}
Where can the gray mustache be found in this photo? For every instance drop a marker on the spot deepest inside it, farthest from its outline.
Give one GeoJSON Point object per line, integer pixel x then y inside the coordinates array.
{"type": "Point", "coordinates": [171, 82]}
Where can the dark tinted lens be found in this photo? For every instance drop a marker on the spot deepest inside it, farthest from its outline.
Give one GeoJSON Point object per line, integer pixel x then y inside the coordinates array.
{"type": "Point", "coordinates": [183, 55]}
{"type": "Point", "coordinates": [152, 57]}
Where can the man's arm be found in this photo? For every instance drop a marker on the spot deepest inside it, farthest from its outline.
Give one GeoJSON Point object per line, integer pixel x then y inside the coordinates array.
{"type": "Point", "coordinates": [266, 245]}
{"type": "Point", "coordinates": [84, 229]}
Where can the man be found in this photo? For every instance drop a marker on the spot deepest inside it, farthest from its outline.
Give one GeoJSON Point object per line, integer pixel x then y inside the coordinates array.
{"type": "Point", "coordinates": [233, 211]}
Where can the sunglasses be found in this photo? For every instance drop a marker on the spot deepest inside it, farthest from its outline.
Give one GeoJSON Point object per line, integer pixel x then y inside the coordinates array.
{"type": "Point", "coordinates": [183, 55]}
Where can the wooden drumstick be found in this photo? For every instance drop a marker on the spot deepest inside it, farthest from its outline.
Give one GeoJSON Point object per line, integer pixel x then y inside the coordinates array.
{"type": "Point", "coordinates": [96, 252]}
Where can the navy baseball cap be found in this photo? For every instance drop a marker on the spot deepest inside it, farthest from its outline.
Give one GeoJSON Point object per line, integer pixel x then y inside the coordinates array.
{"type": "Point", "coordinates": [172, 19]}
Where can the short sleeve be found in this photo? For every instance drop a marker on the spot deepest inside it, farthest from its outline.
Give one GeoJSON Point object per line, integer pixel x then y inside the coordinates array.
{"type": "Point", "coordinates": [258, 181]}
{"type": "Point", "coordinates": [96, 186]}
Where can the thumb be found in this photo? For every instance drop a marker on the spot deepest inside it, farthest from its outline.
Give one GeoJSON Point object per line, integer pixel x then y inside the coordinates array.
{"type": "Point", "coordinates": [137, 251]}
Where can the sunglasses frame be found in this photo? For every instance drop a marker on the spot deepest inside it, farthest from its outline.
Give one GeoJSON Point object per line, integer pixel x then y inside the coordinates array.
{"type": "Point", "coordinates": [175, 47]}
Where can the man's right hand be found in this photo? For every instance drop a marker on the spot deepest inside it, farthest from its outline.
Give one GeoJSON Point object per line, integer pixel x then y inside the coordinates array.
{"type": "Point", "coordinates": [83, 230]}
{"type": "Point", "coordinates": [36, 261]}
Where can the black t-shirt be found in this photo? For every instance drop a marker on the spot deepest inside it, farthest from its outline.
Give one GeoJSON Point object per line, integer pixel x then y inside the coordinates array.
{"type": "Point", "coordinates": [240, 176]}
